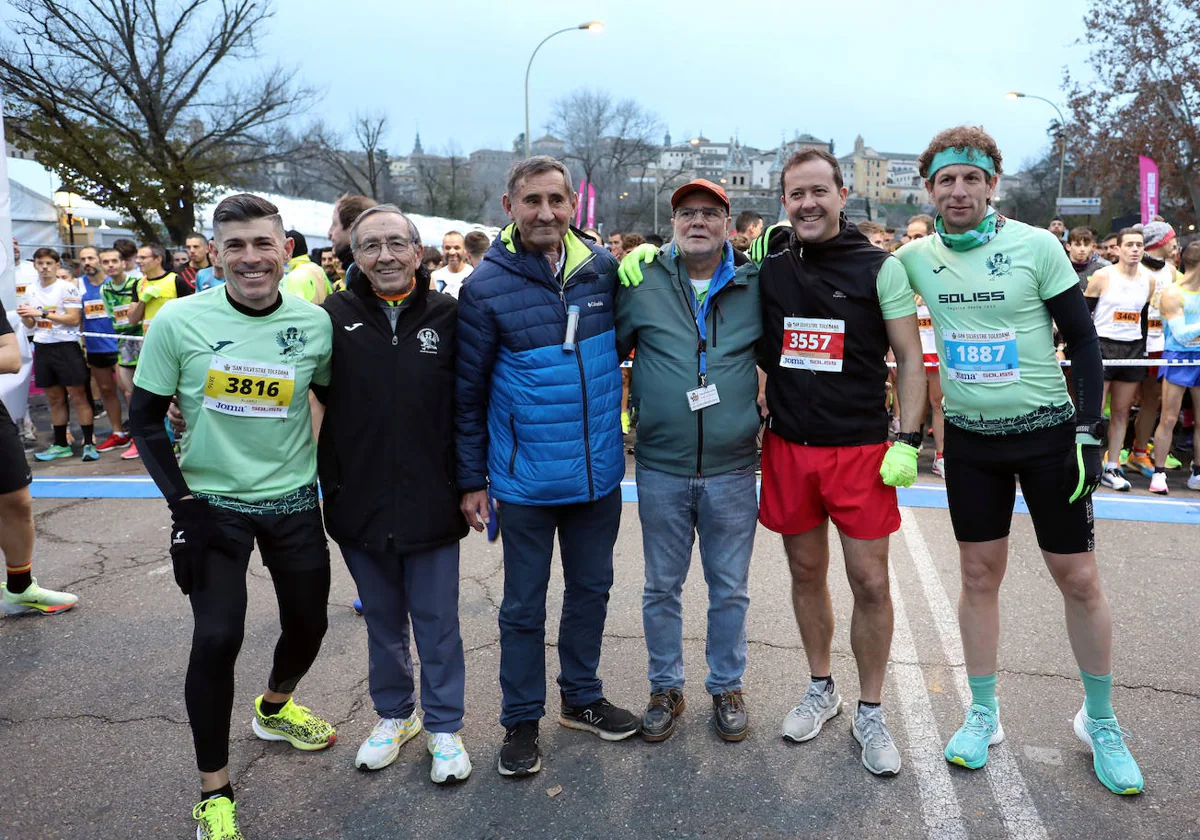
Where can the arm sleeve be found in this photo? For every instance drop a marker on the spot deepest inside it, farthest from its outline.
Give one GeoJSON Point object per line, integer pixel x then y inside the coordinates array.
{"type": "Point", "coordinates": [1070, 312]}
{"type": "Point", "coordinates": [895, 295]}
{"type": "Point", "coordinates": [478, 342]}
{"type": "Point", "coordinates": [147, 411]}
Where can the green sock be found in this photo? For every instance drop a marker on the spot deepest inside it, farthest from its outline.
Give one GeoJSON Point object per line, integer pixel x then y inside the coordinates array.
{"type": "Point", "coordinates": [983, 691]}
{"type": "Point", "coordinates": [1097, 695]}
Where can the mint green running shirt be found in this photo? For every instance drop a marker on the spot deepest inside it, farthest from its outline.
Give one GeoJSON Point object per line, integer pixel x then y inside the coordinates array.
{"type": "Point", "coordinates": [995, 341]}
{"type": "Point", "coordinates": [242, 383]}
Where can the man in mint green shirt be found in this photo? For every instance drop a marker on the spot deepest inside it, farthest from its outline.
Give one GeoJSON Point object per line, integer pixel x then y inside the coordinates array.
{"type": "Point", "coordinates": [993, 287]}
{"type": "Point", "coordinates": [241, 359]}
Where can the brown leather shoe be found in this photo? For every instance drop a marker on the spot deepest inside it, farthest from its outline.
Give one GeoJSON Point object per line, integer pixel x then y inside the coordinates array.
{"type": "Point", "coordinates": [729, 716]}
{"type": "Point", "coordinates": [658, 723]}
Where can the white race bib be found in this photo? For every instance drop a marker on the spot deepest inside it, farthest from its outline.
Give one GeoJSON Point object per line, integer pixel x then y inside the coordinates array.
{"type": "Point", "coordinates": [813, 344]}
{"type": "Point", "coordinates": [249, 389]}
{"type": "Point", "coordinates": [981, 356]}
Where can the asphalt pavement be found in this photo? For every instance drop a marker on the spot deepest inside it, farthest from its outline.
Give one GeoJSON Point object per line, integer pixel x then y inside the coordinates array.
{"type": "Point", "coordinates": [94, 740]}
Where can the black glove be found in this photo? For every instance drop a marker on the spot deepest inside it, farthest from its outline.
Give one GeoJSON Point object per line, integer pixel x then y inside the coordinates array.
{"type": "Point", "coordinates": [193, 535]}
{"type": "Point", "coordinates": [1084, 467]}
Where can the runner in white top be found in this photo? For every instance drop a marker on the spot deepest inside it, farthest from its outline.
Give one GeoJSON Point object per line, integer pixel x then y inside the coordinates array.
{"type": "Point", "coordinates": [1119, 296]}
{"type": "Point", "coordinates": [450, 277]}
{"type": "Point", "coordinates": [929, 351]}
{"type": "Point", "coordinates": [1160, 247]}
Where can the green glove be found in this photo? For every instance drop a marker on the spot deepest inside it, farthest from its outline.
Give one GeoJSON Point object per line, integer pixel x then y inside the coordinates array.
{"type": "Point", "coordinates": [899, 467]}
{"type": "Point", "coordinates": [1084, 467]}
{"type": "Point", "coordinates": [629, 270]}
{"type": "Point", "coordinates": [758, 248]}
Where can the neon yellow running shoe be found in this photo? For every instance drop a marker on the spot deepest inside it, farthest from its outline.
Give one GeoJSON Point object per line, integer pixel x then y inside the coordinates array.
{"type": "Point", "coordinates": [217, 818]}
{"type": "Point", "coordinates": [35, 599]}
{"type": "Point", "coordinates": [295, 724]}
{"type": "Point", "coordinates": [1173, 463]}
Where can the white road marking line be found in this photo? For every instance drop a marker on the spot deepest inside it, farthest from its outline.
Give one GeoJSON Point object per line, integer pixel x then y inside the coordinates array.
{"type": "Point", "coordinates": [939, 803]}
{"type": "Point", "coordinates": [159, 570]}
{"type": "Point", "coordinates": [1020, 817]}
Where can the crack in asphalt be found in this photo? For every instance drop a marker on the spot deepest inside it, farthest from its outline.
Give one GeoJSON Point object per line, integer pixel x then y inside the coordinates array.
{"type": "Point", "coordinates": [1130, 686]}
{"type": "Point", "coordinates": [91, 717]}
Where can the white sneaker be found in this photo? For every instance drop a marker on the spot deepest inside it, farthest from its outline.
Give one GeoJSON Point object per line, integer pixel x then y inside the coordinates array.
{"type": "Point", "coordinates": [1114, 477]}
{"type": "Point", "coordinates": [384, 743]}
{"type": "Point", "coordinates": [1158, 484]}
{"type": "Point", "coordinates": [804, 722]}
{"type": "Point", "coordinates": [939, 467]}
{"type": "Point", "coordinates": [450, 760]}
{"type": "Point", "coordinates": [1194, 479]}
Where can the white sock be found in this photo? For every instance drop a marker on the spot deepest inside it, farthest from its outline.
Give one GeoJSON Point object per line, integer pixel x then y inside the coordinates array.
{"type": "Point", "coordinates": [1111, 465]}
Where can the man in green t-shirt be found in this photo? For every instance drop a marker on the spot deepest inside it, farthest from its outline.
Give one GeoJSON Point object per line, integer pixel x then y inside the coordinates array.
{"type": "Point", "coordinates": [993, 287]}
{"type": "Point", "coordinates": [241, 360]}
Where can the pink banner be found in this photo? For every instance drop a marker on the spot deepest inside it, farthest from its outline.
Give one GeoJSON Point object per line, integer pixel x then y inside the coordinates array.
{"type": "Point", "coordinates": [1148, 178]}
{"type": "Point", "coordinates": [579, 203]}
{"type": "Point", "coordinates": [591, 193]}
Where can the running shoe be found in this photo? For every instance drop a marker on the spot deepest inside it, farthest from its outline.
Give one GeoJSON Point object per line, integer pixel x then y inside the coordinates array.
{"type": "Point", "coordinates": [968, 746]}
{"type": "Point", "coordinates": [90, 453]}
{"type": "Point", "coordinates": [879, 753]}
{"type": "Point", "coordinates": [1114, 477]}
{"type": "Point", "coordinates": [804, 722]}
{"type": "Point", "coordinates": [1173, 463]}
{"type": "Point", "coordinates": [295, 724]}
{"type": "Point", "coordinates": [217, 818]}
{"type": "Point", "coordinates": [450, 760]}
{"type": "Point", "coordinates": [1158, 484]}
{"type": "Point", "coordinates": [600, 717]}
{"type": "Point", "coordinates": [131, 453]}
{"type": "Point", "coordinates": [1114, 764]}
{"type": "Point", "coordinates": [384, 743]}
{"type": "Point", "coordinates": [1141, 463]}
{"type": "Point", "coordinates": [520, 755]}
{"type": "Point", "coordinates": [939, 467]}
{"type": "Point", "coordinates": [35, 599]}
{"type": "Point", "coordinates": [98, 410]}
{"type": "Point", "coordinates": [117, 440]}
{"type": "Point", "coordinates": [53, 451]}
{"type": "Point", "coordinates": [1194, 479]}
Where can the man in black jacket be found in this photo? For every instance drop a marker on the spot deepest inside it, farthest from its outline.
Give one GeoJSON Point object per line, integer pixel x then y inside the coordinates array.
{"type": "Point", "coordinates": [386, 464]}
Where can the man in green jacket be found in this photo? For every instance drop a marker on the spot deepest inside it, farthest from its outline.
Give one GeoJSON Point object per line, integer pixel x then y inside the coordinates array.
{"type": "Point", "coordinates": [694, 319]}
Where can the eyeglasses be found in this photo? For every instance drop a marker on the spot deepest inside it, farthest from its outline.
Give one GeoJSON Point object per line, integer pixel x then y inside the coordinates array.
{"type": "Point", "coordinates": [373, 249]}
{"type": "Point", "coordinates": [709, 214]}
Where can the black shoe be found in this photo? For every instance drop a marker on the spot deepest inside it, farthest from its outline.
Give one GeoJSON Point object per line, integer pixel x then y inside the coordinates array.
{"type": "Point", "coordinates": [600, 718]}
{"type": "Point", "coordinates": [520, 756]}
{"type": "Point", "coordinates": [658, 723]}
{"type": "Point", "coordinates": [98, 410]}
{"type": "Point", "coordinates": [729, 716]}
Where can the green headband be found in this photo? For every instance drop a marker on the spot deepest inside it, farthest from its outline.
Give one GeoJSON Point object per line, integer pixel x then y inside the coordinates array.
{"type": "Point", "coordinates": [969, 156]}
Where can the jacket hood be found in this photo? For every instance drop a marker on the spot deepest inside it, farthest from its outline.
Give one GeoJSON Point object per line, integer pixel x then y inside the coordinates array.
{"type": "Point", "coordinates": [358, 284]}
{"type": "Point", "coordinates": [508, 250]}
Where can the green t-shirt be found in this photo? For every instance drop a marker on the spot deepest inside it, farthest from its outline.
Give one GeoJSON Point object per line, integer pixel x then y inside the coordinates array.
{"type": "Point", "coordinates": [243, 385]}
{"type": "Point", "coordinates": [995, 341]}
{"type": "Point", "coordinates": [895, 296]}
{"type": "Point", "coordinates": [118, 299]}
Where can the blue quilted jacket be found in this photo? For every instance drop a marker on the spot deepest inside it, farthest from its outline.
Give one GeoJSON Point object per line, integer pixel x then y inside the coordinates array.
{"type": "Point", "coordinates": [539, 423]}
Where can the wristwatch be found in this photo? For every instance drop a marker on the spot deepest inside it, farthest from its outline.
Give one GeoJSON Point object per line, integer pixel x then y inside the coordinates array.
{"type": "Point", "coordinates": [913, 439]}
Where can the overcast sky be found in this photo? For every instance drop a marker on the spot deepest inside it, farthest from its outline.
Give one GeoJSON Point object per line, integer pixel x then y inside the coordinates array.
{"type": "Point", "coordinates": [752, 68]}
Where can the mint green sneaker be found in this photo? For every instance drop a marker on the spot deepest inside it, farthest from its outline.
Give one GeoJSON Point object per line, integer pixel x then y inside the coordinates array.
{"type": "Point", "coordinates": [53, 451]}
{"type": "Point", "coordinates": [1111, 759]}
{"type": "Point", "coordinates": [90, 453]}
{"type": "Point", "coordinates": [968, 746]}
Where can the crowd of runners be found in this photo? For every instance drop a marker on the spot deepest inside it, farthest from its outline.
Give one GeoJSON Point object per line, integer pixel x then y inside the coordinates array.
{"type": "Point", "coordinates": [481, 387]}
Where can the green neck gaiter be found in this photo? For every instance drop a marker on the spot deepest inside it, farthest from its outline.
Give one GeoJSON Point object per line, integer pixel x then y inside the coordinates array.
{"type": "Point", "coordinates": [983, 233]}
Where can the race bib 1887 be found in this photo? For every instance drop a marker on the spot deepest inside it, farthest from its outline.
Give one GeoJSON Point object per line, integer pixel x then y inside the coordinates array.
{"type": "Point", "coordinates": [981, 356]}
{"type": "Point", "coordinates": [813, 344]}
{"type": "Point", "coordinates": [249, 389]}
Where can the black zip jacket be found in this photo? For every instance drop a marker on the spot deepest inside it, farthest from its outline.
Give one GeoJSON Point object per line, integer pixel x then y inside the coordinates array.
{"type": "Point", "coordinates": [831, 280]}
{"type": "Point", "coordinates": [386, 452]}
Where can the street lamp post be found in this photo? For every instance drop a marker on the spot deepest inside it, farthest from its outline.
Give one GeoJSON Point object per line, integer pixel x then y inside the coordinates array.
{"type": "Point", "coordinates": [1062, 134]}
{"type": "Point", "coordinates": [591, 26]}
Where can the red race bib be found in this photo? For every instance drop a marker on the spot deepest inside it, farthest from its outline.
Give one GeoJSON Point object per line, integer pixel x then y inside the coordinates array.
{"type": "Point", "coordinates": [813, 344]}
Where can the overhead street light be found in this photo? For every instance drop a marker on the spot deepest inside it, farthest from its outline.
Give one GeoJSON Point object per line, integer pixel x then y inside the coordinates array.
{"type": "Point", "coordinates": [590, 26]}
{"type": "Point", "coordinates": [1062, 134]}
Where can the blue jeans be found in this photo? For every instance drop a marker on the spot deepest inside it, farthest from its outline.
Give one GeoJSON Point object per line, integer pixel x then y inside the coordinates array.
{"type": "Point", "coordinates": [422, 585]}
{"type": "Point", "coordinates": [587, 532]}
{"type": "Point", "coordinates": [723, 510]}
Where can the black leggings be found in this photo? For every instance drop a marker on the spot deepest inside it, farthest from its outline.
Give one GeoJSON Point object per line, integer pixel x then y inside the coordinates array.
{"type": "Point", "coordinates": [294, 550]}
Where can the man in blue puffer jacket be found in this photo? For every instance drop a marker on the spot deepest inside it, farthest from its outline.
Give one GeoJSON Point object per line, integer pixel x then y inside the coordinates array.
{"type": "Point", "coordinates": [538, 419]}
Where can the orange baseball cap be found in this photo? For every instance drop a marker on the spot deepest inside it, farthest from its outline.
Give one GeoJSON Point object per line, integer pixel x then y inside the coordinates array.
{"type": "Point", "coordinates": [699, 185]}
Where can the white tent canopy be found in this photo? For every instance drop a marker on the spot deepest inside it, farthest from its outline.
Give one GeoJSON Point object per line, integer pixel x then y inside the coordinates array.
{"type": "Point", "coordinates": [311, 218]}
